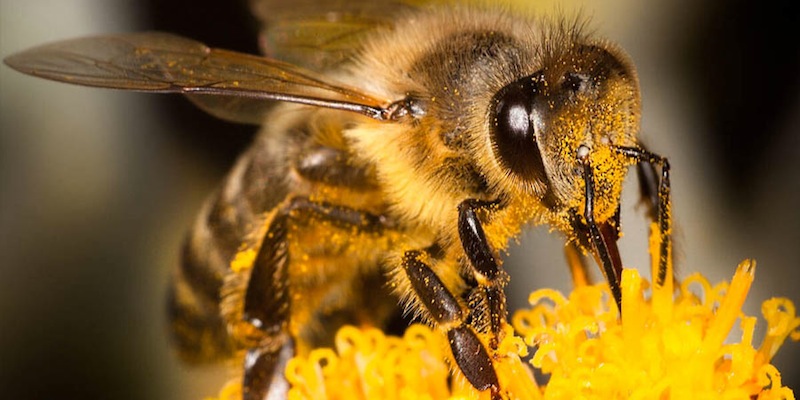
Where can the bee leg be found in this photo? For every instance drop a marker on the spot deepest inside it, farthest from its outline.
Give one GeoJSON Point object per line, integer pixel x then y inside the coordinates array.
{"type": "Point", "coordinates": [664, 204]}
{"type": "Point", "coordinates": [648, 187]}
{"type": "Point", "coordinates": [486, 292]}
{"type": "Point", "coordinates": [489, 278]}
{"type": "Point", "coordinates": [267, 301]}
{"type": "Point", "coordinates": [266, 304]}
{"type": "Point", "coordinates": [266, 307]}
{"type": "Point", "coordinates": [468, 351]}
{"type": "Point", "coordinates": [264, 366]}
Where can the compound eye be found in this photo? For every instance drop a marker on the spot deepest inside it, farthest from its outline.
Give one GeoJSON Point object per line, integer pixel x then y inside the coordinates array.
{"type": "Point", "coordinates": [514, 132]}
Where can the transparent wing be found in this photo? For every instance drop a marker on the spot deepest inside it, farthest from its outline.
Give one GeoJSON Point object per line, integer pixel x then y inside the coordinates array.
{"type": "Point", "coordinates": [228, 84]}
{"type": "Point", "coordinates": [322, 34]}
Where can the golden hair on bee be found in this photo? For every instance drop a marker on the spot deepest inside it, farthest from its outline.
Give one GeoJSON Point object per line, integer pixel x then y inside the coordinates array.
{"type": "Point", "coordinates": [421, 142]}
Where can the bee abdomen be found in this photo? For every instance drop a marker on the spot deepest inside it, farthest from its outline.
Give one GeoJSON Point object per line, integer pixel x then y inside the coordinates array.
{"type": "Point", "coordinates": [198, 331]}
{"type": "Point", "coordinates": [226, 222]}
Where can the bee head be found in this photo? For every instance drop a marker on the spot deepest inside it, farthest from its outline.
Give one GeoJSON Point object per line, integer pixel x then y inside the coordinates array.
{"type": "Point", "coordinates": [584, 96]}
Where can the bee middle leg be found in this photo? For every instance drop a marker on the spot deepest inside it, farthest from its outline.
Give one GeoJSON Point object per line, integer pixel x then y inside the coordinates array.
{"type": "Point", "coordinates": [488, 279]}
{"type": "Point", "coordinates": [445, 311]}
{"type": "Point", "coordinates": [267, 301]}
{"type": "Point", "coordinates": [484, 294]}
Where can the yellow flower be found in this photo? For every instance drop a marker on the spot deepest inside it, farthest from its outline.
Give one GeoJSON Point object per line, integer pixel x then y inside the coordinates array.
{"type": "Point", "coordinates": [667, 345]}
{"type": "Point", "coordinates": [659, 349]}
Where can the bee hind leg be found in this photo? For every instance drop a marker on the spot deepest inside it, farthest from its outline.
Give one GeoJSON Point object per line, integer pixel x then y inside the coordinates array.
{"type": "Point", "coordinates": [267, 300]}
{"type": "Point", "coordinates": [263, 370]}
{"type": "Point", "coordinates": [266, 308]}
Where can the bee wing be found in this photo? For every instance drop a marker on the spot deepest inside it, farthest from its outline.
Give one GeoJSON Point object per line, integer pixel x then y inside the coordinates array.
{"type": "Point", "coordinates": [228, 84]}
{"type": "Point", "coordinates": [321, 34]}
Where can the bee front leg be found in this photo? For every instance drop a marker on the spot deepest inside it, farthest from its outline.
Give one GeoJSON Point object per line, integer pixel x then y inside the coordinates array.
{"type": "Point", "coordinates": [648, 187]}
{"type": "Point", "coordinates": [660, 198]}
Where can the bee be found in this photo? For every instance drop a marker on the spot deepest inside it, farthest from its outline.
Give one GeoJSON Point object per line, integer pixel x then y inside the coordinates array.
{"type": "Point", "coordinates": [401, 150]}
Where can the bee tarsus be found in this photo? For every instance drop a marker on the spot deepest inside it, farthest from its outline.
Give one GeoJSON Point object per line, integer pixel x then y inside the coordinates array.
{"type": "Point", "coordinates": [663, 199]}
{"type": "Point", "coordinates": [648, 187]}
{"type": "Point", "coordinates": [263, 371]}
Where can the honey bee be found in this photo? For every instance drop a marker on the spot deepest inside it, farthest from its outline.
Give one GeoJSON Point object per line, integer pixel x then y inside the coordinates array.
{"type": "Point", "coordinates": [391, 177]}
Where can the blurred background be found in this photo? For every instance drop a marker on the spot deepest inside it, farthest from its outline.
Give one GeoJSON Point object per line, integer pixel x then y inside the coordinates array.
{"type": "Point", "coordinates": [98, 187]}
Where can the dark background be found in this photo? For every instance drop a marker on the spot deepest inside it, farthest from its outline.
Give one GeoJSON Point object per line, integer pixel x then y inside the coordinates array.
{"type": "Point", "coordinates": [97, 187]}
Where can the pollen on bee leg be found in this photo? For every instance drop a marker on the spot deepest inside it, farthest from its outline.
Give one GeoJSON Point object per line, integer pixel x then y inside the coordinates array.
{"type": "Point", "coordinates": [243, 260]}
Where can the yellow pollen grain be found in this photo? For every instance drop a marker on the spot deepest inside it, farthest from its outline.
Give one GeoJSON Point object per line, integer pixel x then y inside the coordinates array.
{"type": "Point", "coordinates": [243, 260]}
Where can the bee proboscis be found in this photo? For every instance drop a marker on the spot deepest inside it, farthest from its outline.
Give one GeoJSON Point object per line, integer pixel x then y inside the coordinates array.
{"type": "Point", "coordinates": [391, 177]}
